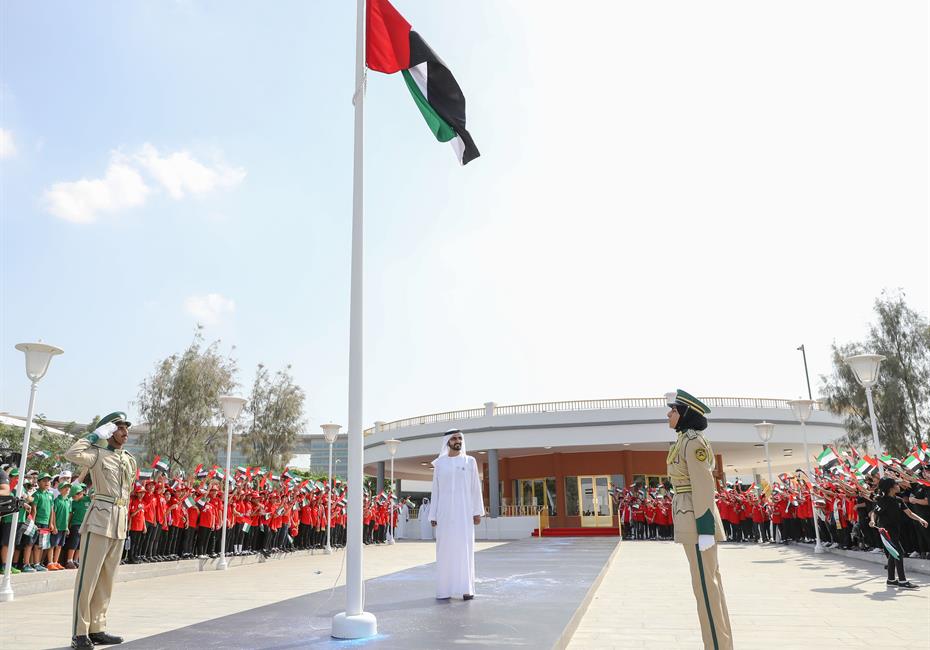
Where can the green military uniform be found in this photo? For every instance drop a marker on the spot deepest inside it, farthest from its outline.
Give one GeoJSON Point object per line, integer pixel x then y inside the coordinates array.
{"type": "Point", "coordinates": [103, 531]}
{"type": "Point", "coordinates": [694, 512]}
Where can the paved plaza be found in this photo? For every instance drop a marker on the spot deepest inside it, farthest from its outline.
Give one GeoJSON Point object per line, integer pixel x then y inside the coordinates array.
{"type": "Point", "coordinates": [776, 595]}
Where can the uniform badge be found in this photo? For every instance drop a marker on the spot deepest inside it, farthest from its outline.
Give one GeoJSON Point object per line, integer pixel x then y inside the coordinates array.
{"type": "Point", "coordinates": [701, 454]}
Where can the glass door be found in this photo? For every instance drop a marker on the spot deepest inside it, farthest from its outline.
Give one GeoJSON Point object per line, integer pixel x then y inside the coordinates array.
{"type": "Point", "coordinates": [594, 493]}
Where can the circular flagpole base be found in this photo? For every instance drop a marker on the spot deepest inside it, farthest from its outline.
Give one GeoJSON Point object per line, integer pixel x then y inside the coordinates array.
{"type": "Point", "coordinates": [819, 549]}
{"type": "Point", "coordinates": [358, 626]}
{"type": "Point", "coordinates": [328, 550]}
{"type": "Point", "coordinates": [6, 592]}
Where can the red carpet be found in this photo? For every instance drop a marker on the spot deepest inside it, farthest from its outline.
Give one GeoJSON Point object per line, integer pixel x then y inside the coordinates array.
{"type": "Point", "coordinates": [578, 532]}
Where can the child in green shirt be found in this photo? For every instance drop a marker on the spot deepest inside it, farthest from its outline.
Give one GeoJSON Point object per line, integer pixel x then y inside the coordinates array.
{"type": "Point", "coordinates": [79, 503]}
{"type": "Point", "coordinates": [42, 501]}
{"type": "Point", "coordinates": [62, 510]}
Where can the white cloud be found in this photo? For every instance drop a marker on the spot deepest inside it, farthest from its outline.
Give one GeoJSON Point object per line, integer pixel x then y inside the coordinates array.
{"type": "Point", "coordinates": [209, 309]}
{"type": "Point", "coordinates": [82, 201]}
{"type": "Point", "coordinates": [7, 146]}
{"type": "Point", "coordinates": [181, 174]}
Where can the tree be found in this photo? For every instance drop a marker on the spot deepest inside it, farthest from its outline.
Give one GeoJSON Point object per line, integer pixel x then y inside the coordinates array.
{"type": "Point", "coordinates": [276, 409]}
{"type": "Point", "coordinates": [902, 395]}
{"type": "Point", "coordinates": [46, 449]}
{"type": "Point", "coordinates": [180, 404]}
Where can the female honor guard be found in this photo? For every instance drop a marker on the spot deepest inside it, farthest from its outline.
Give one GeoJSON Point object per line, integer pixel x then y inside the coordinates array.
{"type": "Point", "coordinates": [695, 516]}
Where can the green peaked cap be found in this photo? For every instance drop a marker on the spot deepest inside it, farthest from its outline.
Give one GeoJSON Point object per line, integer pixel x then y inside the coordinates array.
{"type": "Point", "coordinates": [115, 416]}
{"type": "Point", "coordinates": [683, 398]}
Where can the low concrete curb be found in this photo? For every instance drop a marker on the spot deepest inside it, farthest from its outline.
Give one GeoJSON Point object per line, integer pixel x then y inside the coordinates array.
{"type": "Point", "coordinates": [911, 565]}
{"type": "Point", "coordinates": [27, 584]}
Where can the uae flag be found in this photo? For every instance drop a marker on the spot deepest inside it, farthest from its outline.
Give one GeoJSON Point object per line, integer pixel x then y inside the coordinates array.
{"type": "Point", "coordinates": [886, 542]}
{"type": "Point", "coordinates": [391, 47]}
{"type": "Point", "coordinates": [912, 462]}
{"type": "Point", "coordinates": [865, 468]}
{"type": "Point", "coordinates": [189, 502]}
{"type": "Point", "coordinates": [160, 465]}
{"type": "Point", "coordinates": [827, 458]}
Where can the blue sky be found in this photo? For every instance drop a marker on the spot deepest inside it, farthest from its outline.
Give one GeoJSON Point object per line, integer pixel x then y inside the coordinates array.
{"type": "Point", "coordinates": [668, 196]}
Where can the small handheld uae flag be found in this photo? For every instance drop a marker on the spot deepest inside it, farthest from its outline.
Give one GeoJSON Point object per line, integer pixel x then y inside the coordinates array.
{"type": "Point", "coordinates": [160, 465]}
{"type": "Point", "coordinates": [391, 47]}
{"type": "Point", "coordinates": [886, 542]}
{"type": "Point", "coordinates": [827, 458]}
{"type": "Point", "coordinates": [189, 502]}
{"type": "Point", "coordinates": [912, 462]}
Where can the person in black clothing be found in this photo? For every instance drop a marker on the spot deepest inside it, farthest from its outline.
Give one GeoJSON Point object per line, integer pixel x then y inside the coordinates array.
{"type": "Point", "coordinates": [889, 511]}
{"type": "Point", "coordinates": [919, 502]}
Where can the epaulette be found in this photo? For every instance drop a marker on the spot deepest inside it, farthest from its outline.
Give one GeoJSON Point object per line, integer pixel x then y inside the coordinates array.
{"type": "Point", "coordinates": [691, 434]}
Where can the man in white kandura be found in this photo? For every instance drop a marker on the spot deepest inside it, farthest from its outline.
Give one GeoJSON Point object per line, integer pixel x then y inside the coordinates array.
{"type": "Point", "coordinates": [426, 531]}
{"type": "Point", "coordinates": [403, 514]}
{"type": "Point", "coordinates": [455, 508]}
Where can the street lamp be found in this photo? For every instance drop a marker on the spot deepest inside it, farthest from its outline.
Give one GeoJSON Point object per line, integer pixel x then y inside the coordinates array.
{"type": "Point", "coordinates": [330, 433]}
{"type": "Point", "coordinates": [232, 407]}
{"type": "Point", "coordinates": [391, 445]}
{"type": "Point", "coordinates": [803, 409]}
{"type": "Point", "coordinates": [765, 429]}
{"type": "Point", "coordinates": [38, 357]}
{"type": "Point", "coordinates": [865, 367]}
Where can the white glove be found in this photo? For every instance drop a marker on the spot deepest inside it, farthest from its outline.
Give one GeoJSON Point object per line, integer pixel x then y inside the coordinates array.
{"type": "Point", "coordinates": [705, 542]}
{"type": "Point", "coordinates": [104, 432]}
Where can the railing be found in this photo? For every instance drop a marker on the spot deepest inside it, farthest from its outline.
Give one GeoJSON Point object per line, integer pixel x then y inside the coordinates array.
{"type": "Point", "coordinates": [584, 405]}
{"type": "Point", "coordinates": [520, 511]}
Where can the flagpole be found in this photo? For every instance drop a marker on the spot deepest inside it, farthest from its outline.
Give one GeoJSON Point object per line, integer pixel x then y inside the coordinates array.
{"type": "Point", "coordinates": [355, 623]}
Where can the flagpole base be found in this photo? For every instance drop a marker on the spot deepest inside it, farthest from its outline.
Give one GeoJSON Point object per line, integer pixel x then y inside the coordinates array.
{"type": "Point", "coordinates": [6, 591]}
{"type": "Point", "coordinates": [358, 626]}
{"type": "Point", "coordinates": [222, 565]}
{"type": "Point", "coordinates": [818, 549]}
{"type": "Point", "coordinates": [328, 550]}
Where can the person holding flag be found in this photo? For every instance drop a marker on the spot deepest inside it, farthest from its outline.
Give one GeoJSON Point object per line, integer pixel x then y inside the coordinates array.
{"type": "Point", "coordinates": [888, 512]}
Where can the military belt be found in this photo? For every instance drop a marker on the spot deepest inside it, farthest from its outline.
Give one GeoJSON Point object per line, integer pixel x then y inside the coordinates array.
{"type": "Point", "coordinates": [108, 499]}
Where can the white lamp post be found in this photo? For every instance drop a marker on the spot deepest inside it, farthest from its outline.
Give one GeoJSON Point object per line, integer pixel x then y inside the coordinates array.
{"type": "Point", "coordinates": [232, 407]}
{"type": "Point", "coordinates": [38, 357]}
{"type": "Point", "coordinates": [803, 409]}
{"type": "Point", "coordinates": [765, 429]}
{"type": "Point", "coordinates": [391, 445]}
{"type": "Point", "coordinates": [330, 433]}
{"type": "Point", "coordinates": [865, 367]}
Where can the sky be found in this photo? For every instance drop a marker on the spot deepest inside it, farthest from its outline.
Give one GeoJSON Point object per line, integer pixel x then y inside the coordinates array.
{"type": "Point", "coordinates": [669, 195]}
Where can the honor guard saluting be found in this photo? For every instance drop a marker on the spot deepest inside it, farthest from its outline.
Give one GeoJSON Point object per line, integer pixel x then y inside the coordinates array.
{"type": "Point", "coordinates": [113, 471]}
{"type": "Point", "coordinates": [694, 512]}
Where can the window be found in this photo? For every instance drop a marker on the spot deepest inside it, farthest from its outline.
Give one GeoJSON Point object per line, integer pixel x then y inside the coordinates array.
{"type": "Point", "coordinates": [571, 496]}
{"type": "Point", "coordinates": [536, 492]}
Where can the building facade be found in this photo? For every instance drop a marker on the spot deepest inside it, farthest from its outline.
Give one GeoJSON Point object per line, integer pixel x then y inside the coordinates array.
{"type": "Point", "coordinates": [566, 457]}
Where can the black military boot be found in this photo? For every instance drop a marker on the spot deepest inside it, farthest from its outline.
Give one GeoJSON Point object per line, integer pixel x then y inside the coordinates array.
{"type": "Point", "coordinates": [82, 642]}
{"type": "Point", "coordinates": [102, 638]}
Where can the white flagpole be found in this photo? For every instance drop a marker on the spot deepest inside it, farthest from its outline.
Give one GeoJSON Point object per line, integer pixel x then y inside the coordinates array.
{"type": "Point", "coordinates": [355, 623]}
